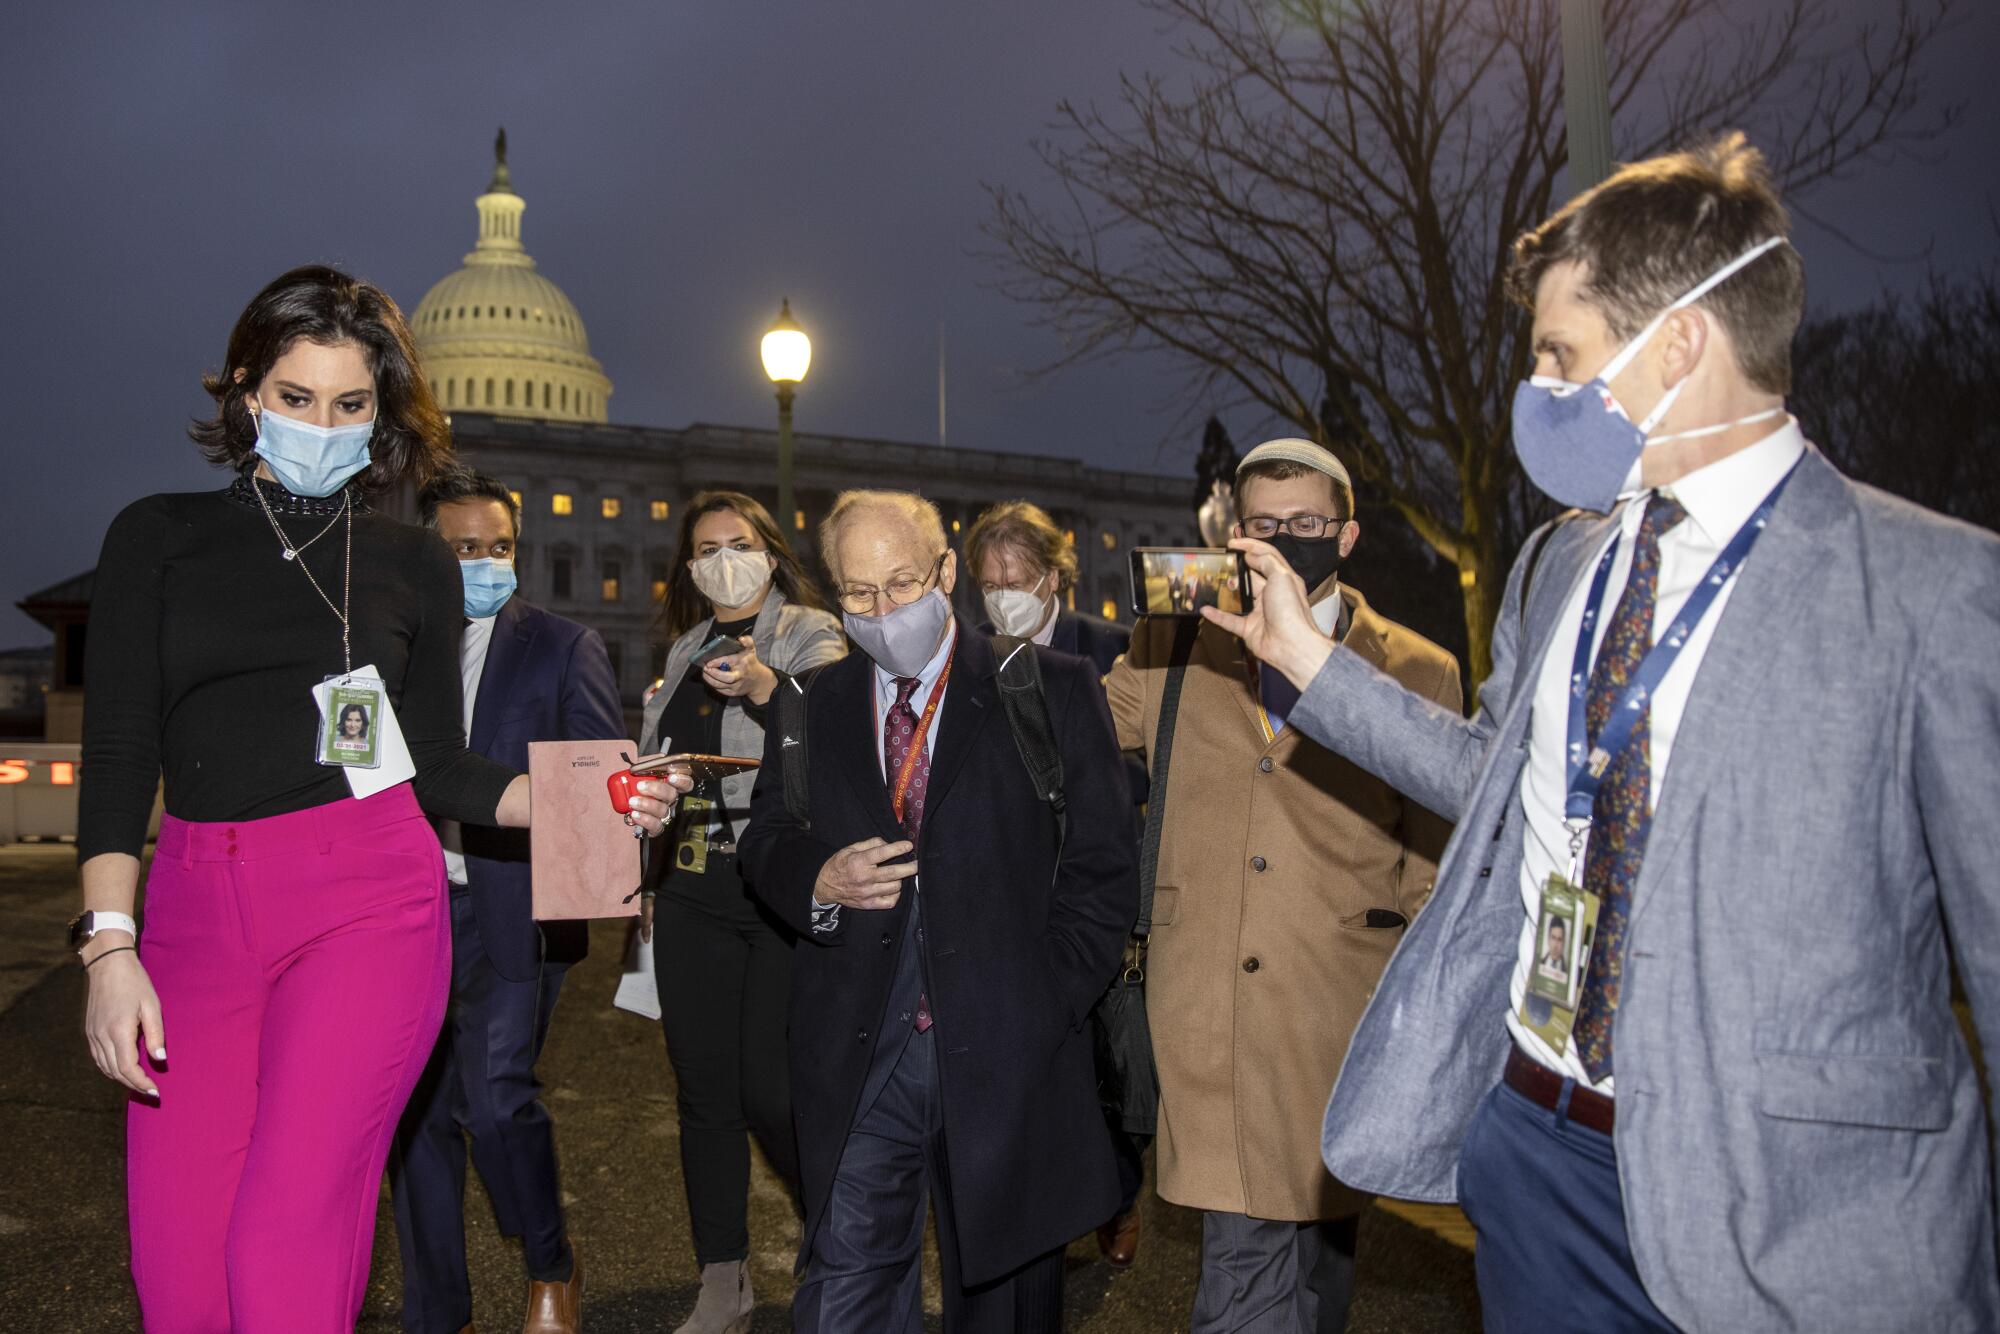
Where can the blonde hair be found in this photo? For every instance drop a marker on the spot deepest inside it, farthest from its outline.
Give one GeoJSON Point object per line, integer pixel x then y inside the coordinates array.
{"type": "Point", "coordinates": [1025, 527]}
{"type": "Point", "coordinates": [921, 514]}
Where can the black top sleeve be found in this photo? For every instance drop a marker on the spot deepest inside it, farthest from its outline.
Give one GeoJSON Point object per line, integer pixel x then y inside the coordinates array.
{"type": "Point", "coordinates": [121, 728]}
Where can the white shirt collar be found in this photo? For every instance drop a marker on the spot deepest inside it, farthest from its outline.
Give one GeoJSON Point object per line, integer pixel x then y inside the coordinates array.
{"type": "Point", "coordinates": [1326, 611]}
{"type": "Point", "coordinates": [1047, 634]}
{"type": "Point", "coordinates": [1721, 496]}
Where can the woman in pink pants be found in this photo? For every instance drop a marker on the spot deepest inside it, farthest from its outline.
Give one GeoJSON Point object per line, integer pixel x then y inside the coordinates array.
{"type": "Point", "coordinates": [296, 935]}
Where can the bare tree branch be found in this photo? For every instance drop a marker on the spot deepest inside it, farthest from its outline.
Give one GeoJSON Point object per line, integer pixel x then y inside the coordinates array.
{"type": "Point", "coordinates": [1316, 218]}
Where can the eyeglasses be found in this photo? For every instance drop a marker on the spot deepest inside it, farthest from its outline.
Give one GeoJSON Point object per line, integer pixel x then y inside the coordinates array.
{"type": "Point", "coordinates": [860, 599]}
{"type": "Point", "coordinates": [1263, 526]}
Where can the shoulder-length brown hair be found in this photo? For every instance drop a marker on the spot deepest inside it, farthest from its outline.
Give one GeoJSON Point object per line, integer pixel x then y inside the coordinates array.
{"type": "Point", "coordinates": [684, 607]}
{"type": "Point", "coordinates": [412, 439]}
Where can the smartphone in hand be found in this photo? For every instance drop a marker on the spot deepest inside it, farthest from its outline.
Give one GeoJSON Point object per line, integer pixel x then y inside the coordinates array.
{"type": "Point", "coordinates": [1180, 581]}
{"type": "Point", "coordinates": [722, 646]}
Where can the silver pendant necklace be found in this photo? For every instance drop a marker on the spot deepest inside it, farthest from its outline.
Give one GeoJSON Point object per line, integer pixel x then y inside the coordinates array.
{"type": "Point", "coordinates": [347, 579]}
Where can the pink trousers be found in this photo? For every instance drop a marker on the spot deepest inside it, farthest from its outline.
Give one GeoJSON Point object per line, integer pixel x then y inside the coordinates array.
{"type": "Point", "coordinates": [302, 963]}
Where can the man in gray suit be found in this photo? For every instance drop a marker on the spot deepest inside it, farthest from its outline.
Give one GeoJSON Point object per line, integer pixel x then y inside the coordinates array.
{"type": "Point", "coordinates": [1742, 736]}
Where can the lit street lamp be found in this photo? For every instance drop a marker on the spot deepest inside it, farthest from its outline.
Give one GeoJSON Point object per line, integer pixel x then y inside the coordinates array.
{"type": "Point", "coordinates": [787, 353]}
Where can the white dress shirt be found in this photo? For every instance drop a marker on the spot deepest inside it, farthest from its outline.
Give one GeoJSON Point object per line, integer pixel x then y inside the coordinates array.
{"type": "Point", "coordinates": [1719, 499]}
{"type": "Point", "coordinates": [471, 666]}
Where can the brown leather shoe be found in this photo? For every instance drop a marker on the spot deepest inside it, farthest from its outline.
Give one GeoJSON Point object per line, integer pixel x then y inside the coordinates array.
{"type": "Point", "coordinates": [557, 1308]}
{"type": "Point", "coordinates": [1118, 1240]}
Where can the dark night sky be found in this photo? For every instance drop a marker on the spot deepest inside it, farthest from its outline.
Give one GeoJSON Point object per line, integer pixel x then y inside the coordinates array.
{"type": "Point", "coordinates": [684, 166]}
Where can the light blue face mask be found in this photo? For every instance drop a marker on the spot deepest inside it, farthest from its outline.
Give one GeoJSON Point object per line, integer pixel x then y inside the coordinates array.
{"type": "Point", "coordinates": [488, 585]}
{"type": "Point", "coordinates": [312, 460]}
{"type": "Point", "coordinates": [1575, 441]}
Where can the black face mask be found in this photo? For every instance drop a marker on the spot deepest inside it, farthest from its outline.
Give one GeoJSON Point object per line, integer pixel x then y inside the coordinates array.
{"type": "Point", "coordinates": [1313, 559]}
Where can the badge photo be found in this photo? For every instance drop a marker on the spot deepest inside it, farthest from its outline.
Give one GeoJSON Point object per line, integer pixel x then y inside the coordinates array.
{"type": "Point", "coordinates": [350, 733]}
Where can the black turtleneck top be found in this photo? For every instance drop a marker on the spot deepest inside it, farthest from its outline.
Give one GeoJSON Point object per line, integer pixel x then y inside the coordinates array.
{"type": "Point", "coordinates": [205, 644]}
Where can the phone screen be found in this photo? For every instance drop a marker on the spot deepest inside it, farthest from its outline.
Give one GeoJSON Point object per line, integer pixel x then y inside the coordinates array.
{"type": "Point", "coordinates": [1180, 581]}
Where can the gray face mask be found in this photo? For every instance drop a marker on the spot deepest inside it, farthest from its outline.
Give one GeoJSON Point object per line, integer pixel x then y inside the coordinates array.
{"type": "Point", "coordinates": [902, 641]}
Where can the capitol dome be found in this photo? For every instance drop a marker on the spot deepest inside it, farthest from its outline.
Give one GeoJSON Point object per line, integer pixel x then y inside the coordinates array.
{"type": "Point", "coordinates": [497, 336]}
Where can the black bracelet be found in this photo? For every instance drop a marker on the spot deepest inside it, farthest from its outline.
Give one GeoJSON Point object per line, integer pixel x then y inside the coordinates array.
{"type": "Point", "coordinates": [113, 950]}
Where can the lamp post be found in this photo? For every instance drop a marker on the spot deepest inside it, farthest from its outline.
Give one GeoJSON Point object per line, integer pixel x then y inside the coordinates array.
{"type": "Point", "coordinates": [1586, 94]}
{"type": "Point", "coordinates": [787, 353]}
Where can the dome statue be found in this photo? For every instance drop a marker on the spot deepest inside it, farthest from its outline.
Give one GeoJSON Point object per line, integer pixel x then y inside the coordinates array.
{"type": "Point", "coordinates": [496, 336]}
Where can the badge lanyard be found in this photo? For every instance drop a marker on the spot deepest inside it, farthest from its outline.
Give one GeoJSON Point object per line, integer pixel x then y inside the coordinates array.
{"type": "Point", "coordinates": [906, 773]}
{"type": "Point", "coordinates": [1257, 689]}
{"type": "Point", "coordinates": [1586, 771]}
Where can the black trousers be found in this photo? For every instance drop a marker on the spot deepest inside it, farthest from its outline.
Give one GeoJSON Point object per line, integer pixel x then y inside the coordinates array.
{"type": "Point", "coordinates": [864, 1272]}
{"type": "Point", "coordinates": [724, 970]}
{"type": "Point", "coordinates": [480, 1083]}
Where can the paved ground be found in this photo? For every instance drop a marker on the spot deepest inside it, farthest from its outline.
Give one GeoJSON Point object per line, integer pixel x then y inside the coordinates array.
{"type": "Point", "coordinates": [62, 1214]}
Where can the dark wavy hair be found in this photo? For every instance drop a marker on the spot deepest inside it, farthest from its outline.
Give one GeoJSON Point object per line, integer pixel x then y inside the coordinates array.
{"type": "Point", "coordinates": [684, 607]}
{"type": "Point", "coordinates": [412, 439]}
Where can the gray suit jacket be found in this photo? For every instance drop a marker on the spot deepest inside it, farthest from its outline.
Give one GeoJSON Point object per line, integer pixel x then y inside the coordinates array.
{"type": "Point", "coordinates": [1800, 1135]}
{"type": "Point", "coordinates": [790, 638]}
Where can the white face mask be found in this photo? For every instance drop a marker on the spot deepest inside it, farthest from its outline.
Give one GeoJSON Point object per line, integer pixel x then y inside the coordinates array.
{"type": "Point", "coordinates": [731, 578]}
{"type": "Point", "coordinates": [1018, 612]}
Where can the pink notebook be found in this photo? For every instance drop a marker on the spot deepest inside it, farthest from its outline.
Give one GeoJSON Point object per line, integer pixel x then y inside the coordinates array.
{"type": "Point", "coordinates": [585, 860]}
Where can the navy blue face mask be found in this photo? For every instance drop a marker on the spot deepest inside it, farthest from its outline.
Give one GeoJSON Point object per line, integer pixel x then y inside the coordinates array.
{"type": "Point", "coordinates": [1576, 442]}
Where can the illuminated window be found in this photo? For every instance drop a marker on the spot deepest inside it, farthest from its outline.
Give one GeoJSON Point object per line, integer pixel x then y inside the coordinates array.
{"type": "Point", "coordinates": [1110, 609]}
{"type": "Point", "coordinates": [799, 520]}
{"type": "Point", "coordinates": [954, 525]}
{"type": "Point", "coordinates": [561, 503]}
{"type": "Point", "coordinates": [517, 498]}
{"type": "Point", "coordinates": [660, 510]}
{"type": "Point", "coordinates": [611, 507]}
{"type": "Point", "coordinates": [1110, 541]}
{"type": "Point", "coordinates": [1069, 536]}
{"type": "Point", "coordinates": [659, 583]}
{"type": "Point", "coordinates": [610, 581]}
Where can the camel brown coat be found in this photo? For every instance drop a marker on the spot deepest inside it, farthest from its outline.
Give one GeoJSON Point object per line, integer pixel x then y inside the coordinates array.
{"type": "Point", "coordinates": [1261, 957]}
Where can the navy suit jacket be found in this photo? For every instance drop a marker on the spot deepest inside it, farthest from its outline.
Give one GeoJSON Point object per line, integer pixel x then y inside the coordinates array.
{"type": "Point", "coordinates": [546, 679]}
{"type": "Point", "coordinates": [1023, 938]}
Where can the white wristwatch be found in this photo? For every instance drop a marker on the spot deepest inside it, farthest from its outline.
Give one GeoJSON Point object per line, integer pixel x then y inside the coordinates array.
{"type": "Point", "coordinates": [86, 925]}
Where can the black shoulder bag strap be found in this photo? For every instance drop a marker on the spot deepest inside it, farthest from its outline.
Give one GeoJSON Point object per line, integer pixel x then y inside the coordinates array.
{"type": "Point", "coordinates": [1027, 706]}
{"type": "Point", "coordinates": [1161, 758]}
{"type": "Point", "coordinates": [788, 713]}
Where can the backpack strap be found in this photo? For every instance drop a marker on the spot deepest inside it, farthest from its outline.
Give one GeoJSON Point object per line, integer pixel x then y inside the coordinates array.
{"type": "Point", "coordinates": [1026, 703]}
{"type": "Point", "coordinates": [1185, 630]}
{"type": "Point", "coordinates": [788, 707]}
